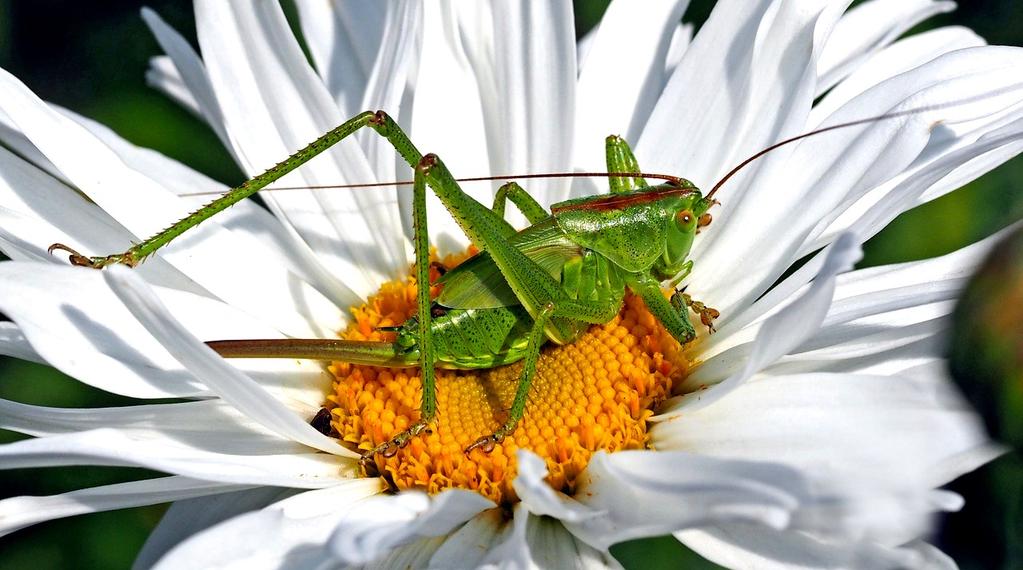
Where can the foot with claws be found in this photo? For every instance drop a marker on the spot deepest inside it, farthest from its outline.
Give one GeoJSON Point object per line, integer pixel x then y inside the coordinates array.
{"type": "Point", "coordinates": [391, 447]}
{"type": "Point", "coordinates": [707, 314]}
{"type": "Point", "coordinates": [487, 443]}
{"type": "Point", "coordinates": [80, 260]}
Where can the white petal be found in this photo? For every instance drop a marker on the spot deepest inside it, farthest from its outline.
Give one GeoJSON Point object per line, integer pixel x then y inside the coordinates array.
{"type": "Point", "coordinates": [448, 90]}
{"type": "Point", "coordinates": [13, 343]}
{"type": "Point", "coordinates": [186, 64]}
{"type": "Point", "coordinates": [641, 491]}
{"type": "Point", "coordinates": [788, 329]}
{"type": "Point", "coordinates": [20, 512]}
{"type": "Point", "coordinates": [539, 498]}
{"type": "Point", "coordinates": [533, 104]}
{"type": "Point", "coordinates": [209, 425]}
{"type": "Point", "coordinates": [78, 325]}
{"type": "Point", "coordinates": [111, 447]}
{"type": "Point", "coordinates": [644, 493]}
{"type": "Point", "coordinates": [824, 176]}
{"type": "Point", "coordinates": [187, 517]}
{"type": "Point", "coordinates": [413, 555]}
{"type": "Point", "coordinates": [882, 320]}
{"type": "Point", "coordinates": [511, 551]}
{"type": "Point", "coordinates": [39, 210]}
{"type": "Point", "coordinates": [274, 104]}
{"type": "Point", "coordinates": [971, 169]}
{"type": "Point", "coordinates": [962, 165]}
{"type": "Point", "coordinates": [384, 523]}
{"type": "Point", "coordinates": [897, 58]}
{"type": "Point", "coordinates": [17, 142]}
{"type": "Point", "coordinates": [978, 130]}
{"type": "Point", "coordinates": [881, 309]}
{"type": "Point", "coordinates": [873, 211]}
{"type": "Point", "coordinates": [287, 534]}
{"type": "Point", "coordinates": [230, 384]}
{"type": "Point", "coordinates": [391, 87]}
{"type": "Point", "coordinates": [750, 547]}
{"type": "Point", "coordinates": [45, 302]}
{"type": "Point", "coordinates": [582, 47]}
{"type": "Point", "coordinates": [344, 39]}
{"type": "Point", "coordinates": [387, 84]}
{"type": "Point", "coordinates": [932, 557]}
{"type": "Point", "coordinates": [867, 352]}
{"type": "Point", "coordinates": [223, 263]}
{"type": "Point", "coordinates": [470, 544]}
{"type": "Point", "coordinates": [865, 282]}
{"type": "Point", "coordinates": [533, 542]}
{"type": "Point", "coordinates": [746, 80]}
{"type": "Point", "coordinates": [618, 88]}
{"type": "Point", "coordinates": [833, 425]}
{"type": "Point", "coordinates": [867, 28]}
{"type": "Point", "coordinates": [551, 545]}
{"type": "Point", "coordinates": [679, 43]}
{"type": "Point", "coordinates": [163, 76]}
{"type": "Point", "coordinates": [506, 74]}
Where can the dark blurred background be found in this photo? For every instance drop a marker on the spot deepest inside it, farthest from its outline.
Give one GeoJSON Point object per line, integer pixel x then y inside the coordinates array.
{"type": "Point", "coordinates": [91, 57]}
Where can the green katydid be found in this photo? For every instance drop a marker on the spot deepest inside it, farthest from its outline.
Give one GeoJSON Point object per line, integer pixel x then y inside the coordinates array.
{"type": "Point", "coordinates": [569, 269]}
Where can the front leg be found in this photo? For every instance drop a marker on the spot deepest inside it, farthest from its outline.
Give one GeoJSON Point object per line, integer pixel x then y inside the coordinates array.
{"type": "Point", "coordinates": [674, 317]}
{"type": "Point", "coordinates": [683, 302]}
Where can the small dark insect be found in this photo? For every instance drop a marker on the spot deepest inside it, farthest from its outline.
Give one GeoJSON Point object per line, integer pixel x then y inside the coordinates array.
{"type": "Point", "coordinates": [438, 267]}
{"type": "Point", "coordinates": [321, 423]}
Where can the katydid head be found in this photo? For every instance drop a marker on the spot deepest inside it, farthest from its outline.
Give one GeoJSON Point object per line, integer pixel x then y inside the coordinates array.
{"type": "Point", "coordinates": [690, 214]}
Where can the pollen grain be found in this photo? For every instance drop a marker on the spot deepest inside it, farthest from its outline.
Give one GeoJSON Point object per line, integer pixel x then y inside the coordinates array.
{"type": "Point", "coordinates": [594, 394]}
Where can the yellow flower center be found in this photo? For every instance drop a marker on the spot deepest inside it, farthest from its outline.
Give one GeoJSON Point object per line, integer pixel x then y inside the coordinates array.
{"type": "Point", "coordinates": [596, 393]}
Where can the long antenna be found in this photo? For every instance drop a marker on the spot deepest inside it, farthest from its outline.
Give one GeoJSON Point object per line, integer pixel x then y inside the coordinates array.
{"type": "Point", "coordinates": [677, 181]}
{"type": "Point", "coordinates": [892, 115]}
{"type": "Point", "coordinates": [671, 179]}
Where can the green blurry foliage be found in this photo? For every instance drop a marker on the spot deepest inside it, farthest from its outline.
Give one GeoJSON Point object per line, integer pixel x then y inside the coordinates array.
{"type": "Point", "coordinates": [987, 341]}
{"type": "Point", "coordinates": [986, 360]}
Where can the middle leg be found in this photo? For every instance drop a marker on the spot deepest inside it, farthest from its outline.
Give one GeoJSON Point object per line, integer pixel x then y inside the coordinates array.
{"type": "Point", "coordinates": [518, 409]}
{"type": "Point", "coordinates": [526, 204]}
{"type": "Point", "coordinates": [620, 159]}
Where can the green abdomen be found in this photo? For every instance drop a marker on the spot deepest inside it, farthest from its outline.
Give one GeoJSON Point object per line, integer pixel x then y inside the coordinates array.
{"type": "Point", "coordinates": [481, 338]}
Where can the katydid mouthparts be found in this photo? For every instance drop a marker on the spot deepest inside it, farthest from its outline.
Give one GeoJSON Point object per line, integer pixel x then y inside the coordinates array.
{"type": "Point", "coordinates": [569, 269]}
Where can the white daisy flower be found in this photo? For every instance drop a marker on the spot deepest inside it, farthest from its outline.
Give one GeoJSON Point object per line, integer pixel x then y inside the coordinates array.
{"type": "Point", "coordinates": [814, 429]}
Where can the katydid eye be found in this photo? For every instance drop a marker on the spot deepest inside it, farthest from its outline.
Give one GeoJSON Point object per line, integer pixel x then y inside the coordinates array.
{"type": "Point", "coordinates": [705, 220]}
{"type": "Point", "coordinates": [685, 217]}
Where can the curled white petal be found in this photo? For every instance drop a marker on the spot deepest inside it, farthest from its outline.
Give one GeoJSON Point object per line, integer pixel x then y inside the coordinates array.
{"type": "Point", "coordinates": [748, 547]}
{"type": "Point", "coordinates": [785, 331]}
{"type": "Point", "coordinates": [290, 533]}
{"type": "Point", "coordinates": [384, 523]}
{"type": "Point", "coordinates": [20, 512]}
{"type": "Point", "coordinates": [189, 517]}
{"type": "Point", "coordinates": [111, 447]}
